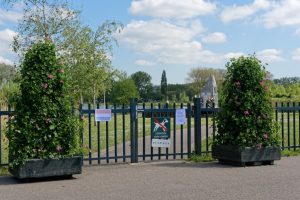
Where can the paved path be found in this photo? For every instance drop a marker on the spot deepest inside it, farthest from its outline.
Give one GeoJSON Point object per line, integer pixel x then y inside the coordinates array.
{"type": "Point", "coordinates": [165, 180]}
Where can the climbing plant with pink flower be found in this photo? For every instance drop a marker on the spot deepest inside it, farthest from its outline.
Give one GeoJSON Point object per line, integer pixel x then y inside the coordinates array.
{"type": "Point", "coordinates": [44, 125]}
{"type": "Point", "coordinates": [246, 115]}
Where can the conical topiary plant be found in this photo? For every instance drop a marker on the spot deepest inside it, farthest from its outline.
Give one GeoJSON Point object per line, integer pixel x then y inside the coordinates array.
{"type": "Point", "coordinates": [43, 124]}
{"type": "Point", "coordinates": [246, 115]}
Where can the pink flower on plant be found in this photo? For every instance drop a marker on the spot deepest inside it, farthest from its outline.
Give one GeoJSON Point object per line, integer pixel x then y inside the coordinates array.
{"type": "Point", "coordinates": [246, 112]}
{"type": "Point", "coordinates": [50, 76]}
{"type": "Point", "coordinates": [62, 71]}
{"type": "Point", "coordinates": [45, 85]}
{"type": "Point", "coordinates": [82, 117]}
{"type": "Point", "coordinates": [262, 82]}
{"type": "Point", "coordinates": [47, 120]}
{"type": "Point", "coordinates": [58, 148]}
{"type": "Point", "coordinates": [266, 88]}
{"type": "Point", "coordinates": [265, 136]}
{"type": "Point", "coordinates": [259, 146]}
{"type": "Point", "coordinates": [237, 83]}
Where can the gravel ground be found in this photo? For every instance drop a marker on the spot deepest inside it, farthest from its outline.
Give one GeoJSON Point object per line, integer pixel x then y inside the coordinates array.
{"type": "Point", "coordinates": [165, 180]}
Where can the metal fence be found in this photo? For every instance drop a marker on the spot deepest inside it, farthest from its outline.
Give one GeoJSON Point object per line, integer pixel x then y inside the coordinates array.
{"type": "Point", "coordinates": [127, 137]}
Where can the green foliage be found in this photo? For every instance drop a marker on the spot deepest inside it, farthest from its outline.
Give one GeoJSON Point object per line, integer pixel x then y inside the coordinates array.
{"type": "Point", "coordinates": [143, 83]}
{"type": "Point", "coordinates": [289, 153]}
{"type": "Point", "coordinates": [204, 158]}
{"type": "Point", "coordinates": [164, 84]}
{"type": "Point", "coordinates": [123, 90]}
{"type": "Point", "coordinates": [7, 73]}
{"type": "Point", "coordinates": [246, 115]}
{"type": "Point", "coordinates": [43, 125]}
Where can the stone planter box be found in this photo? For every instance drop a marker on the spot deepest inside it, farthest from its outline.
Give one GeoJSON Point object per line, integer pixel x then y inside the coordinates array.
{"type": "Point", "coordinates": [246, 156]}
{"type": "Point", "coordinates": [41, 168]}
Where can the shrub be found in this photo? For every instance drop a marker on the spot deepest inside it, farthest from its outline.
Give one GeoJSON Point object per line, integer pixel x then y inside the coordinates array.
{"type": "Point", "coordinates": [43, 125]}
{"type": "Point", "coordinates": [246, 114]}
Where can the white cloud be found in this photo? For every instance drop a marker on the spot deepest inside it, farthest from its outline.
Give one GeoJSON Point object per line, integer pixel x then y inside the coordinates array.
{"type": "Point", "coordinates": [167, 43]}
{"type": "Point", "coordinates": [6, 61]}
{"type": "Point", "coordinates": [6, 38]}
{"type": "Point", "coordinates": [179, 9]}
{"type": "Point", "coordinates": [296, 54]}
{"type": "Point", "coordinates": [241, 12]}
{"type": "Point", "coordinates": [7, 35]}
{"type": "Point", "coordinates": [11, 15]}
{"type": "Point", "coordinates": [230, 55]}
{"type": "Point", "coordinates": [144, 63]}
{"type": "Point", "coordinates": [270, 55]}
{"type": "Point", "coordinates": [297, 32]}
{"type": "Point", "coordinates": [216, 37]}
{"type": "Point", "coordinates": [283, 13]}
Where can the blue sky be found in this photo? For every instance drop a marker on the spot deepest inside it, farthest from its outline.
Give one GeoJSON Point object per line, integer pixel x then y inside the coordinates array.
{"type": "Point", "coordinates": [180, 35]}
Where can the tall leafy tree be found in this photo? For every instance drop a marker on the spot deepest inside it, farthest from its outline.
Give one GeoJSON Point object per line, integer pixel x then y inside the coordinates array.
{"type": "Point", "coordinates": [123, 90]}
{"type": "Point", "coordinates": [43, 19]}
{"type": "Point", "coordinates": [143, 83]}
{"type": "Point", "coordinates": [7, 73]}
{"type": "Point", "coordinates": [85, 53]}
{"type": "Point", "coordinates": [164, 84]}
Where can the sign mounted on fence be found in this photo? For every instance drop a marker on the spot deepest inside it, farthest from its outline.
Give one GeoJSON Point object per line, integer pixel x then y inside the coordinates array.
{"type": "Point", "coordinates": [180, 116]}
{"type": "Point", "coordinates": [160, 129]}
{"type": "Point", "coordinates": [102, 115]}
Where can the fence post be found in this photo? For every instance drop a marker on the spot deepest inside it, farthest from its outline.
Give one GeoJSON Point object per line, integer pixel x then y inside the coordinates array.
{"type": "Point", "coordinates": [133, 131]}
{"type": "Point", "coordinates": [81, 118]}
{"type": "Point", "coordinates": [197, 125]}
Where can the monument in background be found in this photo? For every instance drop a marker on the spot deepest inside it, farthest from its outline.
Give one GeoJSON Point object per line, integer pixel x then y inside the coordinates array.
{"type": "Point", "coordinates": [209, 93]}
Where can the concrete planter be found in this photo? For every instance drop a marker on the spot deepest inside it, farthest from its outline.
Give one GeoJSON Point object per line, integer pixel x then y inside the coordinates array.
{"type": "Point", "coordinates": [246, 156]}
{"type": "Point", "coordinates": [41, 168]}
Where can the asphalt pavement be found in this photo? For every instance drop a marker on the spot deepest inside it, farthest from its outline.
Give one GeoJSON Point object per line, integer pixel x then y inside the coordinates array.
{"type": "Point", "coordinates": [165, 180]}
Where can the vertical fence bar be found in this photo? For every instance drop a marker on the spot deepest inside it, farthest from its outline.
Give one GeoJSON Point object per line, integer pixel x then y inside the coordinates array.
{"type": "Point", "coordinates": [81, 119]}
{"type": "Point", "coordinates": [294, 125]}
{"type": "Point", "coordinates": [0, 136]}
{"type": "Point", "coordinates": [189, 116]}
{"type": "Point", "coordinates": [181, 136]}
{"type": "Point", "coordinates": [133, 130]}
{"type": "Point", "coordinates": [144, 132]}
{"type": "Point", "coordinates": [206, 134]}
{"type": "Point", "coordinates": [276, 112]}
{"type": "Point", "coordinates": [116, 133]}
{"type": "Point", "coordinates": [124, 133]}
{"type": "Point", "coordinates": [152, 115]}
{"type": "Point", "coordinates": [174, 132]}
{"type": "Point", "coordinates": [107, 139]}
{"type": "Point", "coordinates": [98, 139]}
{"type": "Point", "coordinates": [136, 135]}
{"type": "Point", "coordinates": [288, 126]}
{"type": "Point", "coordinates": [197, 125]}
{"type": "Point", "coordinates": [282, 126]}
{"type": "Point", "coordinates": [167, 149]}
{"type": "Point", "coordinates": [299, 122]}
{"type": "Point", "coordinates": [214, 121]}
{"type": "Point", "coordinates": [90, 135]}
{"type": "Point", "coordinates": [159, 149]}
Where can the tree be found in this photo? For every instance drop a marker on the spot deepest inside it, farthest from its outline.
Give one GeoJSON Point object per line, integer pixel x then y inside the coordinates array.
{"type": "Point", "coordinates": [7, 73]}
{"type": "Point", "coordinates": [143, 83]}
{"type": "Point", "coordinates": [86, 53]}
{"type": "Point", "coordinates": [197, 77]}
{"type": "Point", "coordinates": [89, 59]}
{"type": "Point", "coordinates": [123, 90]}
{"type": "Point", "coordinates": [164, 84]}
{"type": "Point", "coordinates": [43, 19]}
